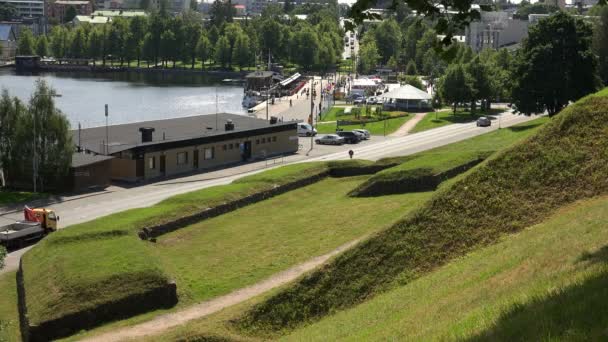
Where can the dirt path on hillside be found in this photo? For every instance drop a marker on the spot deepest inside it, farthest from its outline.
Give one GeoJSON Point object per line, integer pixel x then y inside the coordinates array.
{"type": "Point", "coordinates": [164, 322]}
{"type": "Point", "coordinates": [408, 126]}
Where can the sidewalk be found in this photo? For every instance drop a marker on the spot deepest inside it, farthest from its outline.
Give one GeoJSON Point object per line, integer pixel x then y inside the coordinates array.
{"type": "Point", "coordinates": [408, 126]}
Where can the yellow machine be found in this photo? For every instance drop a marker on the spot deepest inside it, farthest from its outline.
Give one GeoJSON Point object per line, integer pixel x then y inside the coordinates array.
{"type": "Point", "coordinates": [38, 223]}
{"type": "Point", "coordinates": [47, 218]}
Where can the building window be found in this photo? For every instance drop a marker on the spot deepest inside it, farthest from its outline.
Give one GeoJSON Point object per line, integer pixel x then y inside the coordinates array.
{"type": "Point", "coordinates": [152, 162]}
{"type": "Point", "coordinates": [225, 147]}
{"type": "Point", "coordinates": [182, 158]}
{"type": "Point", "coordinates": [263, 140]}
{"type": "Point", "coordinates": [257, 141]}
{"type": "Point", "coordinates": [274, 139]}
{"type": "Point", "coordinates": [209, 153]}
{"type": "Point", "coordinates": [231, 146]}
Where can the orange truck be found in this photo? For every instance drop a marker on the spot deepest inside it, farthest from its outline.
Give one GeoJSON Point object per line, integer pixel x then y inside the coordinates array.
{"type": "Point", "coordinates": [38, 223]}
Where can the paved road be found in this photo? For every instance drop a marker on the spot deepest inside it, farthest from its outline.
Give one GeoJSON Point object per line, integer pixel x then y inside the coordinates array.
{"type": "Point", "coordinates": [81, 209]}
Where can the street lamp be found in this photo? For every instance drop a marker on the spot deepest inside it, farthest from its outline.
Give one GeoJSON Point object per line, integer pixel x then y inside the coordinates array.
{"type": "Point", "coordinates": [34, 143]}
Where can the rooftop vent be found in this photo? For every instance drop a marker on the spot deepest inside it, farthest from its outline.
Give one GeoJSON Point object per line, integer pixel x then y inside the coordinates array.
{"type": "Point", "coordinates": [229, 125]}
{"type": "Point", "coordinates": [146, 134]}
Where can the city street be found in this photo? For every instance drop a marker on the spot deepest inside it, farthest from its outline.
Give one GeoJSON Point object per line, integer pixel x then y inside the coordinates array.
{"type": "Point", "coordinates": [78, 209]}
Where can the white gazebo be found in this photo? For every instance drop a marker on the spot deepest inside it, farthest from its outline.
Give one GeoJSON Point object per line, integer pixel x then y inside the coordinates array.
{"type": "Point", "coordinates": [406, 97]}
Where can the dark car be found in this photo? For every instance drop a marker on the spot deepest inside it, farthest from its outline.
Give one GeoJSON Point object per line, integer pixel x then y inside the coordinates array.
{"type": "Point", "coordinates": [349, 137]}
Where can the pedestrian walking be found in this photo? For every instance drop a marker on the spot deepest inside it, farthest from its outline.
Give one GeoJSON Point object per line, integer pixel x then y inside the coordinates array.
{"type": "Point", "coordinates": [290, 104]}
{"type": "Point", "coordinates": [351, 153]}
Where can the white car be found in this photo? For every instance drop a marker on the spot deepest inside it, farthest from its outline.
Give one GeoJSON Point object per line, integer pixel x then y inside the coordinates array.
{"type": "Point", "coordinates": [306, 130]}
{"type": "Point", "coordinates": [364, 133]}
{"type": "Point", "coordinates": [330, 139]}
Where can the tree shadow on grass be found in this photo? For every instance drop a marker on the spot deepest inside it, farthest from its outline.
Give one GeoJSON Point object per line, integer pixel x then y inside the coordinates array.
{"type": "Point", "coordinates": [523, 127]}
{"type": "Point", "coordinates": [578, 312]}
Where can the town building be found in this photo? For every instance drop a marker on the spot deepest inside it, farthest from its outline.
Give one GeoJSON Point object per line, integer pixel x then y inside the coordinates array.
{"type": "Point", "coordinates": [8, 41]}
{"type": "Point", "coordinates": [88, 171]}
{"type": "Point", "coordinates": [495, 30]}
{"type": "Point", "coordinates": [407, 97]}
{"type": "Point", "coordinates": [28, 8]}
{"type": "Point", "coordinates": [106, 16]}
{"type": "Point", "coordinates": [163, 148]}
{"type": "Point", "coordinates": [59, 8]}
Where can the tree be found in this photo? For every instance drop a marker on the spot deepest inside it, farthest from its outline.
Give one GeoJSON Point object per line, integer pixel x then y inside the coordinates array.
{"type": "Point", "coordinates": [414, 81]}
{"type": "Point", "coordinates": [8, 11]}
{"type": "Point", "coordinates": [388, 38]}
{"type": "Point", "coordinates": [327, 54]}
{"type": "Point", "coordinates": [26, 42]}
{"type": "Point", "coordinates": [59, 41]}
{"type": "Point", "coordinates": [600, 43]}
{"type": "Point", "coordinates": [42, 46]}
{"type": "Point", "coordinates": [167, 44]}
{"type": "Point", "coordinates": [138, 27]}
{"type": "Point", "coordinates": [222, 51]}
{"type": "Point", "coordinates": [203, 49]}
{"type": "Point", "coordinates": [2, 256]}
{"type": "Point", "coordinates": [95, 43]}
{"type": "Point", "coordinates": [455, 86]}
{"type": "Point", "coordinates": [305, 47]}
{"type": "Point", "coordinates": [11, 113]}
{"type": "Point", "coordinates": [192, 34]}
{"type": "Point", "coordinates": [411, 69]}
{"type": "Point", "coordinates": [221, 12]}
{"type": "Point", "coordinates": [368, 55]}
{"type": "Point", "coordinates": [481, 83]}
{"type": "Point", "coordinates": [70, 14]}
{"type": "Point", "coordinates": [525, 9]}
{"type": "Point", "coordinates": [555, 65]}
{"type": "Point", "coordinates": [78, 44]}
{"type": "Point", "coordinates": [241, 53]}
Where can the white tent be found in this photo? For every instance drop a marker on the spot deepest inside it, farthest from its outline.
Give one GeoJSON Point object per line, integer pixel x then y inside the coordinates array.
{"type": "Point", "coordinates": [407, 97]}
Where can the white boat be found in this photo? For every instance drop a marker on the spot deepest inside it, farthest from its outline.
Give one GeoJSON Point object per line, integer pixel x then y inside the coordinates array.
{"type": "Point", "coordinates": [251, 99]}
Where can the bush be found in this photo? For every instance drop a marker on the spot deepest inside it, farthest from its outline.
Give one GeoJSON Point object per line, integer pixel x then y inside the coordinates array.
{"type": "Point", "coordinates": [2, 256]}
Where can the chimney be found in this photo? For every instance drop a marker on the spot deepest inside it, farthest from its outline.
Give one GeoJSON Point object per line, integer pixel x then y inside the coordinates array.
{"type": "Point", "coordinates": [229, 126]}
{"type": "Point", "coordinates": [146, 134]}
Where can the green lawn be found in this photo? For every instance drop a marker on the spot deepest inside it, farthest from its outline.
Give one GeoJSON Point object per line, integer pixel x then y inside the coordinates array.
{"type": "Point", "coordinates": [9, 314]}
{"type": "Point", "coordinates": [563, 162]}
{"type": "Point", "coordinates": [8, 197]}
{"type": "Point", "coordinates": [549, 282]}
{"type": "Point", "coordinates": [450, 156]}
{"type": "Point", "coordinates": [443, 118]}
{"type": "Point", "coordinates": [234, 250]}
{"type": "Point", "coordinates": [375, 128]}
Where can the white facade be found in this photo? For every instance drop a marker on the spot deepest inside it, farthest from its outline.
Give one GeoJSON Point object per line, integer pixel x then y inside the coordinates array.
{"type": "Point", "coordinates": [495, 30]}
{"type": "Point", "coordinates": [28, 8]}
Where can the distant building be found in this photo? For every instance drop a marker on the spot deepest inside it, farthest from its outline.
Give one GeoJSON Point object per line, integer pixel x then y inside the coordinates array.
{"type": "Point", "coordinates": [28, 8]}
{"type": "Point", "coordinates": [59, 8]}
{"type": "Point", "coordinates": [256, 7]}
{"type": "Point", "coordinates": [163, 148]}
{"type": "Point", "coordinates": [495, 30]}
{"type": "Point", "coordinates": [8, 41]}
{"type": "Point", "coordinates": [240, 10]}
{"type": "Point", "coordinates": [407, 97]}
{"type": "Point", "coordinates": [106, 16]}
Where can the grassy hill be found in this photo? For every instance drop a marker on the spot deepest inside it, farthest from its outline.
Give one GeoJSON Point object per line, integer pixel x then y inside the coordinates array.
{"type": "Point", "coordinates": [521, 186]}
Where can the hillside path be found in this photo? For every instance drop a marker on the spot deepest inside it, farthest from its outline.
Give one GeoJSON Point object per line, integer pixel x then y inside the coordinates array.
{"type": "Point", "coordinates": [165, 322]}
{"type": "Point", "coordinates": [408, 126]}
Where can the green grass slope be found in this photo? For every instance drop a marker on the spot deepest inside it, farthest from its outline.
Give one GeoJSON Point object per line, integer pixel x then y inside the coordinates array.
{"type": "Point", "coordinates": [412, 173]}
{"type": "Point", "coordinates": [9, 314]}
{"type": "Point", "coordinates": [549, 282]}
{"type": "Point", "coordinates": [564, 162]}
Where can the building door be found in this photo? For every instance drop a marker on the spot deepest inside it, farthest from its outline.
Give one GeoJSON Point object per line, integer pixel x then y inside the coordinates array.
{"type": "Point", "coordinates": [195, 159]}
{"type": "Point", "coordinates": [247, 150]}
{"type": "Point", "coordinates": [139, 168]}
{"type": "Point", "coordinates": [162, 164]}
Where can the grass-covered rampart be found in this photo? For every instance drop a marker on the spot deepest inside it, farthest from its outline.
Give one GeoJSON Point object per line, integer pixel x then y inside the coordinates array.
{"type": "Point", "coordinates": [564, 162]}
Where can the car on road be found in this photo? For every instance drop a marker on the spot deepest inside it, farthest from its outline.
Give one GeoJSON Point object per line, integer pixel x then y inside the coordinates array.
{"type": "Point", "coordinates": [349, 137]}
{"type": "Point", "coordinates": [330, 139]}
{"type": "Point", "coordinates": [365, 133]}
{"type": "Point", "coordinates": [306, 130]}
{"type": "Point", "coordinates": [484, 122]}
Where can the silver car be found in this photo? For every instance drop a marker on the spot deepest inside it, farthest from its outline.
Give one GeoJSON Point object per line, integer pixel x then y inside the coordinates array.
{"type": "Point", "coordinates": [364, 133]}
{"type": "Point", "coordinates": [330, 139]}
{"type": "Point", "coordinates": [483, 122]}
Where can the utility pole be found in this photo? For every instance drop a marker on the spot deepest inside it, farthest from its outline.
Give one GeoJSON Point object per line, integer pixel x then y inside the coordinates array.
{"type": "Point", "coordinates": [267, 99]}
{"type": "Point", "coordinates": [107, 135]}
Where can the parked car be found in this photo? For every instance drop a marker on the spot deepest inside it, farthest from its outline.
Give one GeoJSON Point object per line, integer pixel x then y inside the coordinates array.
{"type": "Point", "coordinates": [306, 130]}
{"type": "Point", "coordinates": [349, 137]}
{"type": "Point", "coordinates": [359, 100]}
{"type": "Point", "coordinates": [330, 139]}
{"type": "Point", "coordinates": [483, 122]}
{"type": "Point", "coordinates": [363, 132]}
{"type": "Point", "coordinates": [372, 100]}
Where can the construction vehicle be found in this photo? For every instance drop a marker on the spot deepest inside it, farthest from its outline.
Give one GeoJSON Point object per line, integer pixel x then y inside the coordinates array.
{"type": "Point", "coordinates": [38, 223]}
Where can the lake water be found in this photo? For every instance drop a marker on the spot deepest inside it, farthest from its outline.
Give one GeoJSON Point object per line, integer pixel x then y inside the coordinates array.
{"type": "Point", "coordinates": [131, 97]}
